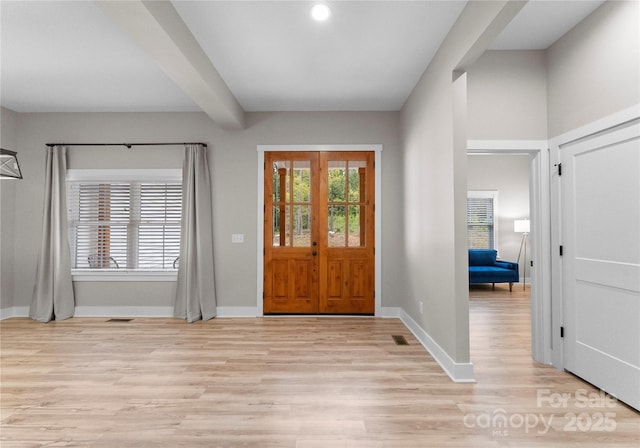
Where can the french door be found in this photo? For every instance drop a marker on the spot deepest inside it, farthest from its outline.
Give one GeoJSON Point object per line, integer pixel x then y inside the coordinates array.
{"type": "Point", "coordinates": [319, 233]}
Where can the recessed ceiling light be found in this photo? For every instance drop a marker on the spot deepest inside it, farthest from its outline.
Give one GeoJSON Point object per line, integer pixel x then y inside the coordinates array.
{"type": "Point", "coordinates": [320, 12]}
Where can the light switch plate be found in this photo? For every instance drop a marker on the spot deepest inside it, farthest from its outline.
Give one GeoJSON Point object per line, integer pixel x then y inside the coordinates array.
{"type": "Point", "coordinates": [237, 238]}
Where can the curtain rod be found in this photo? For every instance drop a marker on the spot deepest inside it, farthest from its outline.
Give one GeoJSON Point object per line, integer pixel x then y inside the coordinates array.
{"type": "Point", "coordinates": [128, 145]}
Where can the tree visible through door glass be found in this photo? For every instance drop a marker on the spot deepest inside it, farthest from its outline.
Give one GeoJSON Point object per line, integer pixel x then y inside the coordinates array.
{"type": "Point", "coordinates": [301, 216]}
{"type": "Point", "coordinates": [280, 226]}
{"type": "Point", "coordinates": [345, 185]}
{"type": "Point", "coordinates": [291, 204]}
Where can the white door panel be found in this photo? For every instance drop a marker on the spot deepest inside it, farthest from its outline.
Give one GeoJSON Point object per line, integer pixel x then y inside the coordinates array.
{"type": "Point", "coordinates": [604, 328]}
{"type": "Point", "coordinates": [601, 262]}
{"type": "Point", "coordinates": [617, 275]}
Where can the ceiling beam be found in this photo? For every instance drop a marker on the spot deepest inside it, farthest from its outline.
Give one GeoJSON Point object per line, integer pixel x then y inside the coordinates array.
{"type": "Point", "coordinates": [160, 31]}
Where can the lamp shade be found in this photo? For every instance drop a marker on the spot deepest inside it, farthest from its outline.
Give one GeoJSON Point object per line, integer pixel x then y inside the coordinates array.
{"type": "Point", "coordinates": [521, 226]}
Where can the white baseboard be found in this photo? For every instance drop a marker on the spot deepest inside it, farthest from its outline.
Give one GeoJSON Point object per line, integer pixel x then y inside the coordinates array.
{"type": "Point", "coordinates": [237, 311]}
{"type": "Point", "coordinates": [123, 311]}
{"type": "Point", "coordinates": [131, 311]}
{"type": "Point", "coordinates": [14, 311]}
{"type": "Point", "coordinates": [458, 372]}
{"type": "Point", "coordinates": [6, 313]}
{"type": "Point", "coordinates": [390, 311]}
{"type": "Point", "coordinates": [156, 311]}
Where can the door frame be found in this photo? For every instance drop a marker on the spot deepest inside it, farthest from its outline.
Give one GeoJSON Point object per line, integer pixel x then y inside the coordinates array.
{"type": "Point", "coordinates": [377, 150]}
{"type": "Point", "coordinates": [602, 125]}
{"type": "Point", "coordinates": [542, 348]}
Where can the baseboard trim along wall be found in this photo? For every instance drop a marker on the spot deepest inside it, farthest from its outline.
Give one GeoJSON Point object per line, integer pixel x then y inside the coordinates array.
{"type": "Point", "coordinates": [132, 311]}
{"type": "Point", "coordinates": [123, 311]}
{"type": "Point", "coordinates": [458, 372]}
{"type": "Point", "coordinates": [157, 311]}
{"type": "Point", "coordinates": [14, 311]}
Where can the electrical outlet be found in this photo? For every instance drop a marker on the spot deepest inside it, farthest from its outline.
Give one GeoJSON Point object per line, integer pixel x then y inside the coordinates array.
{"type": "Point", "coordinates": [237, 238]}
{"type": "Point", "coordinates": [421, 308]}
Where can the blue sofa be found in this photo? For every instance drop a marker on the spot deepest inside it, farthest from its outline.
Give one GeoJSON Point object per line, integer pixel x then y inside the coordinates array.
{"type": "Point", "coordinates": [485, 268]}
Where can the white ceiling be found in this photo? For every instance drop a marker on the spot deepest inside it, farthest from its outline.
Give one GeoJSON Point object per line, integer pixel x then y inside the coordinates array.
{"type": "Point", "coordinates": [368, 56]}
{"type": "Point", "coordinates": [69, 56]}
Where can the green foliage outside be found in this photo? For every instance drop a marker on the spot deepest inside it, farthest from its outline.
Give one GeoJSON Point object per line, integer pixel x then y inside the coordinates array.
{"type": "Point", "coordinates": [339, 196]}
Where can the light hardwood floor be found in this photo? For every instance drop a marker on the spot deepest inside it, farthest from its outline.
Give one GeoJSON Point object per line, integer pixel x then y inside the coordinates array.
{"type": "Point", "coordinates": [291, 382]}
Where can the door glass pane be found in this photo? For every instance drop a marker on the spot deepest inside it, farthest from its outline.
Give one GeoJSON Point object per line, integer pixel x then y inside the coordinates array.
{"type": "Point", "coordinates": [337, 181]}
{"type": "Point", "coordinates": [301, 226]}
{"type": "Point", "coordinates": [280, 226]}
{"type": "Point", "coordinates": [356, 180]}
{"type": "Point", "coordinates": [337, 222]}
{"type": "Point", "coordinates": [302, 181]}
{"type": "Point", "coordinates": [280, 180]}
{"type": "Point", "coordinates": [356, 226]}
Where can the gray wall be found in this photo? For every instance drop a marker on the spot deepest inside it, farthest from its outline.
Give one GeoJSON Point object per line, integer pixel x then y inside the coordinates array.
{"type": "Point", "coordinates": [233, 160]}
{"type": "Point", "coordinates": [594, 68]}
{"type": "Point", "coordinates": [591, 72]}
{"type": "Point", "coordinates": [435, 189]}
{"type": "Point", "coordinates": [8, 140]}
{"type": "Point", "coordinates": [507, 101]}
{"type": "Point", "coordinates": [508, 96]}
{"type": "Point", "coordinates": [509, 176]}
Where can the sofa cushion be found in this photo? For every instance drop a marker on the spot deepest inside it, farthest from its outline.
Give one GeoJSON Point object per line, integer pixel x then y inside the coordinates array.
{"type": "Point", "coordinates": [482, 257]}
{"type": "Point", "coordinates": [490, 274]}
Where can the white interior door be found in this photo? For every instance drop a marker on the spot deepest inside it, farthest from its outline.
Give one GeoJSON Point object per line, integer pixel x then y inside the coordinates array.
{"type": "Point", "coordinates": [600, 184]}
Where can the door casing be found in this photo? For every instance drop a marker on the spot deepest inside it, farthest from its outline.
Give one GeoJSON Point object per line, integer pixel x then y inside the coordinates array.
{"type": "Point", "coordinates": [377, 149]}
{"type": "Point", "coordinates": [541, 343]}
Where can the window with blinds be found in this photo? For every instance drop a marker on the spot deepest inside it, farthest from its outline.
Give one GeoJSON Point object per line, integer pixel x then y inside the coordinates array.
{"type": "Point", "coordinates": [481, 212]}
{"type": "Point", "coordinates": [124, 225]}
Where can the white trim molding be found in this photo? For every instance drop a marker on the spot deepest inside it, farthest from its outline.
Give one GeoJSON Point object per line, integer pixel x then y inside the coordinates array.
{"type": "Point", "coordinates": [133, 311]}
{"type": "Point", "coordinates": [391, 312]}
{"type": "Point", "coordinates": [14, 311]}
{"type": "Point", "coordinates": [539, 212]}
{"type": "Point", "coordinates": [603, 124]}
{"type": "Point", "coordinates": [507, 146]}
{"type": "Point", "coordinates": [123, 311]}
{"type": "Point", "coordinates": [122, 275]}
{"type": "Point", "coordinates": [457, 371]}
{"type": "Point", "coordinates": [237, 311]}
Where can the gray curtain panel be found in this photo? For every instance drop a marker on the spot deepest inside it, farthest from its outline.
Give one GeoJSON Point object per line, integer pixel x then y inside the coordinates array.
{"type": "Point", "coordinates": [53, 296]}
{"type": "Point", "coordinates": [195, 290]}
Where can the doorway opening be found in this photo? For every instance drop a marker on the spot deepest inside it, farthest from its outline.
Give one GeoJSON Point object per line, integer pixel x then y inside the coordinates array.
{"type": "Point", "coordinates": [537, 292]}
{"type": "Point", "coordinates": [319, 232]}
{"type": "Point", "coordinates": [344, 227]}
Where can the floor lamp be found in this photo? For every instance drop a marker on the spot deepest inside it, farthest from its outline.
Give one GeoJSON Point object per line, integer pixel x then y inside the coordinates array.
{"type": "Point", "coordinates": [522, 226]}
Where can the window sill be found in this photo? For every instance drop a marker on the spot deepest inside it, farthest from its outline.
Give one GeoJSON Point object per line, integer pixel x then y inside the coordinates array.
{"type": "Point", "coordinates": [122, 275]}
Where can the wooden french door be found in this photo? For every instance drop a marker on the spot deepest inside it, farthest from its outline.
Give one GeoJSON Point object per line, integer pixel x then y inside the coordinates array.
{"type": "Point", "coordinates": [291, 236]}
{"type": "Point", "coordinates": [319, 233]}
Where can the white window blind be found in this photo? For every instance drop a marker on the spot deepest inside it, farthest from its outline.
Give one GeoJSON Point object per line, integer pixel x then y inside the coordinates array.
{"type": "Point", "coordinates": [481, 219]}
{"type": "Point", "coordinates": [124, 225]}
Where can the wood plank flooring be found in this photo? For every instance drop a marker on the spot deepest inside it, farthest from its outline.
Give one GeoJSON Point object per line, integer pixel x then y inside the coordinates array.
{"type": "Point", "coordinates": [296, 382]}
